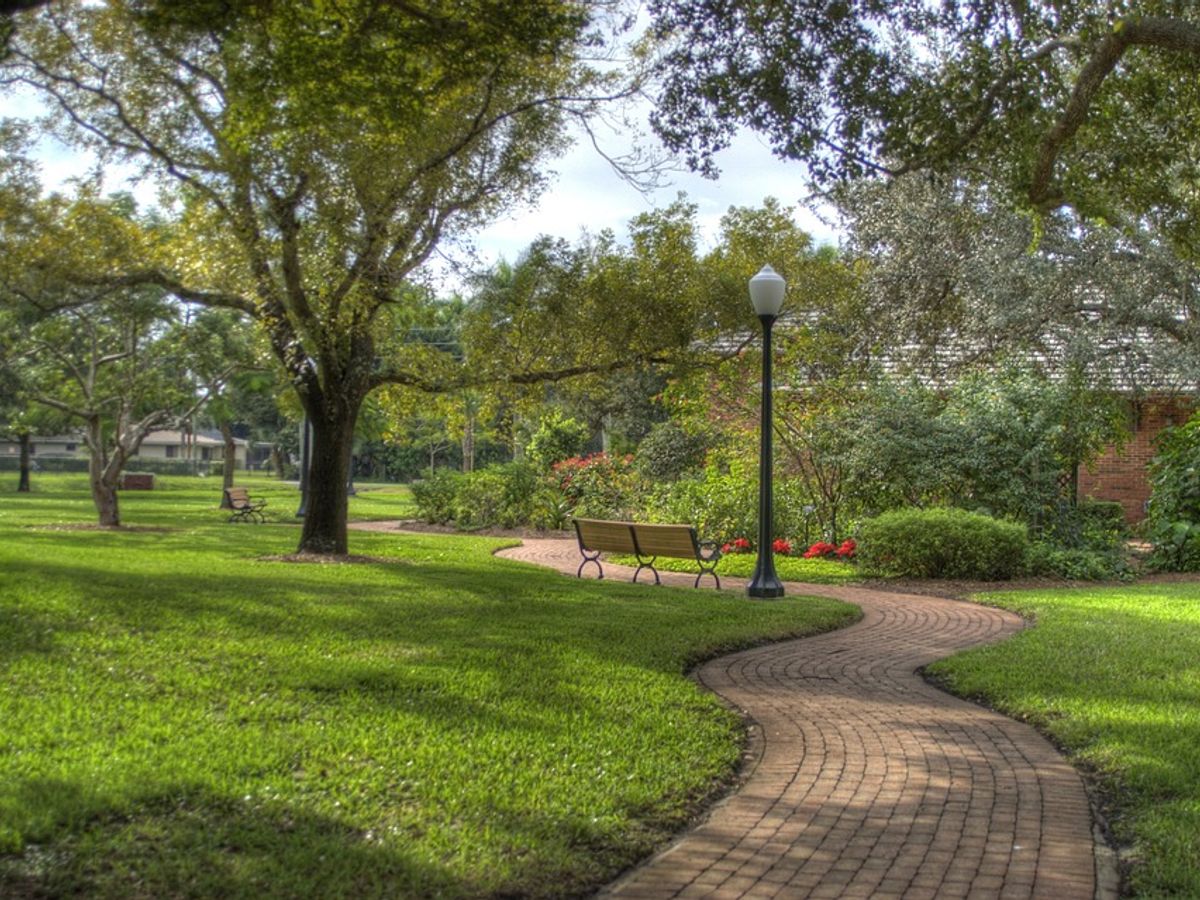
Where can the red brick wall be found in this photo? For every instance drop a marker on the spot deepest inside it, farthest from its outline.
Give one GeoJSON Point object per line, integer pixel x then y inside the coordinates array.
{"type": "Point", "coordinates": [1121, 475]}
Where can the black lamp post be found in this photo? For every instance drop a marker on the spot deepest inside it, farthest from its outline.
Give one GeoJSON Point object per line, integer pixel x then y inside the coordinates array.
{"type": "Point", "coordinates": [766, 293]}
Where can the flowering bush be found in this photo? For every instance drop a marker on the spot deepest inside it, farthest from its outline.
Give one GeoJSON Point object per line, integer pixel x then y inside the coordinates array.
{"type": "Point", "coordinates": [737, 545]}
{"type": "Point", "coordinates": [597, 486]}
{"type": "Point", "coordinates": [782, 546]}
{"type": "Point", "coordinates": [846, 549]}
{"type": "Point", "coordinates": [821, 550]}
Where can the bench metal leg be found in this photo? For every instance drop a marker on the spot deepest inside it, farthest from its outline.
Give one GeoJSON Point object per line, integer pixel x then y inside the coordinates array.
{"type": "Point", "coordinates": [646, 564]}
{"type": "Point", "coordinates": [703, 572]}
{"type": "Point", "coordinates": [590, 559]}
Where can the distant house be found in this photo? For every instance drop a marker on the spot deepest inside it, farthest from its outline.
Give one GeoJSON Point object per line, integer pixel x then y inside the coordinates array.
{"type": "Point", "coordinates": [59, 446]}
{"type": "Point", "coordinates": [164, 445]}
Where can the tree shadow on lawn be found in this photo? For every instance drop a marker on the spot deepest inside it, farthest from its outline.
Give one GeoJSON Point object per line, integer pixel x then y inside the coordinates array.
{"type": "Point", "coordinates": [192, 842]}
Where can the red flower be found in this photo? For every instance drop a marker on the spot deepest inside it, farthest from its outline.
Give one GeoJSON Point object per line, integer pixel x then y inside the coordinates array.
{"type": "Point", "coordinates": [820, 550]}
{"type": "Point", "coordinates": [741, 545]}
{"type": "Point", "coordinates": [782, 546]}
{"type": "Point", "coordinates": [726, 548]}
{"type": "Point", "coordinates": [846, 550]}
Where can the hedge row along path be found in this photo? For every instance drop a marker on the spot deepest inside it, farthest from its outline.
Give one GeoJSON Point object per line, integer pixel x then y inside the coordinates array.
{"type": "Point", "coordinates": [870, 782]}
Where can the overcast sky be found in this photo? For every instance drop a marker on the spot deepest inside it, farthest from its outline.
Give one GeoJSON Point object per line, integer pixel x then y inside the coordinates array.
{"type": "Point", "coordinates": [584, 194]}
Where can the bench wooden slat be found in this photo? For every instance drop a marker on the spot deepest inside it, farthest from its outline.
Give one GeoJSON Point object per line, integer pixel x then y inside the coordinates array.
{"type": "Point", "coordinates": [596, 534]}
{"type": "Point", "coordinates": [666, 540]}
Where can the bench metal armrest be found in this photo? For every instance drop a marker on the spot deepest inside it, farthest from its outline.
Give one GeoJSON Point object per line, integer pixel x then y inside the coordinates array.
{"type": "Point", "coordinates": [714, 551]}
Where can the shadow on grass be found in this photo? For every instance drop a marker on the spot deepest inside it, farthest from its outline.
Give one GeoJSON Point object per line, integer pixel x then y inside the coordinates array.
{"type": "Point", "coordinates": [197, 843]}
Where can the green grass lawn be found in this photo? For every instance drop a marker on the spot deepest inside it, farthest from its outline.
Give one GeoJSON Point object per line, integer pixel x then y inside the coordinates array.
{"type": "Point", "coordinates": [179, 718]}
{"type": "Point", "coordinates": [1113, 675]}
{"type": "Point", "coordinates": [788, 568]}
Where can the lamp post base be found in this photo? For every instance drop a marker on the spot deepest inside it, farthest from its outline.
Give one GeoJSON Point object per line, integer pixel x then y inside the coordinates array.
{"type": "Point", "coordinates": [765, 591]}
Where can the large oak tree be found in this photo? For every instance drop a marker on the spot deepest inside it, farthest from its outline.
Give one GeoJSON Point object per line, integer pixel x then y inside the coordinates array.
{"type": "Point", "coordinates": [318, 154]}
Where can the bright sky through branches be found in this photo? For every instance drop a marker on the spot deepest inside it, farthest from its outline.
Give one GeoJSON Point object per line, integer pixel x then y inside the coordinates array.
{"type": "Point", "coordinates": [585, 194]}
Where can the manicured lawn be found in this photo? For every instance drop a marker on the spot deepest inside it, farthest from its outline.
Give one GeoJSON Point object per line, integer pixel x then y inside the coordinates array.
{"type": "Point", "coordinates": [179, 718]}
{"type": "Point", "coordinates": [1113, 675]}
{"type": "Point", "coordinates": [789, 568]}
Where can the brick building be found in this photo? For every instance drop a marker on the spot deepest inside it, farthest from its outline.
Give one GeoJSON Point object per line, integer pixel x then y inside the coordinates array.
{"type": "Point", "coordinates": [1121, 475]}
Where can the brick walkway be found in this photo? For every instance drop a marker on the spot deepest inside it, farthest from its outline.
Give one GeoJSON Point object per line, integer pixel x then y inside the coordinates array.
{"type": "Point", "coordinates": [868, 781]}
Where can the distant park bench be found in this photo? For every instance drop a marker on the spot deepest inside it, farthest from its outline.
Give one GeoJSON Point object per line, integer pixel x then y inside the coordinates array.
{"type": "Point", "coordinates": [245, 508]}
{"type": "Point", "coordinates": [647, 543]}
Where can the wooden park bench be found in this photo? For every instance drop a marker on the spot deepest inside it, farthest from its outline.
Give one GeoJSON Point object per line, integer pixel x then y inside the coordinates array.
{"type": "Point", "coordinates": [245, 508]}
{"type": "Point", "coordinates": [647, 543]}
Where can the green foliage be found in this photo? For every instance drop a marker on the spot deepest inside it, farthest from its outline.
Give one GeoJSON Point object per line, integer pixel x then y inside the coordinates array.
{"type": "Point", "coordinates": [669, 451]}
{"type": "Point", "coordinates": [599, 486]}
{"type": "Point", "coordinates": [941, 543]}
{"type": "Point", "coordinates": [556, 438]}
{"type": "Point", "coordinates": [1173, 516]}
{"type": "Point", "coordinates": [854, 93]}
{"type": "Point", "coordinates": [1113, 676]}
{"type": "Point", "coordinates": [435, 495]}
{"type": "Point", "coordinates": [722, 502]}
{"type": "Point", "coordinates": [1075, 563]}
{"type": "Point", "coordinates": [504, 495]}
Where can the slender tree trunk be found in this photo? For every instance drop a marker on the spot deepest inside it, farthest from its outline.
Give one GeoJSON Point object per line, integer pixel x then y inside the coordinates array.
{"type": "Point", "coordinates": [102, 477]}
{"type": "Point", "coordinates": [230, 455]}
{"type": "Point", "coordinates": [324, 528]}
{"type": "Point", "coordinates": [468, 445]}
{"type": "Point", "coordinates": [23, 481]}
{"type": "Point", "coordinates": [277, 461]}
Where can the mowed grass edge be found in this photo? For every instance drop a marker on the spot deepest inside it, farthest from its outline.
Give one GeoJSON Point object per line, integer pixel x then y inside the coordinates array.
{"type": "Point", "coordinates": [181, 718]}
{"type": "Point", "coordinates": [1112, 675]}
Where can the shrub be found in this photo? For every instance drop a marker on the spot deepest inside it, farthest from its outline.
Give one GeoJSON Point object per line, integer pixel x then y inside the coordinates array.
{"type": "Point", "coordinates": [1077, 564]}
{"type": "Point", "coordinates": [557, 438]}
{"type": "Point", "coordinates": [501, 495]}
{"type": "Point", "coordinates": [724, 505]}
{"type": "Point", "coordinates": [942, 543]}
{"type": "Point", "coordinates": [598, 486]}
{"type": "Point", "coordinates": [1173, 515]}
{"type": "Point", "coordinates": [668, 452]}
{"type": "Point", "coordinates": [434, 496]}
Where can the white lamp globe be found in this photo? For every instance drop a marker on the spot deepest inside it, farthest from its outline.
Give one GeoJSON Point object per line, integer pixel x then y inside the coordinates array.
{"type": "Point", "coordinates": [766, 292]}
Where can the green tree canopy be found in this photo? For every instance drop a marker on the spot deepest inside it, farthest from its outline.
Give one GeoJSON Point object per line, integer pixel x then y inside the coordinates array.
{"type": "Point", "coordinates": [1086, 102]}
{"type": "Point", "coordinates": [316, 155]}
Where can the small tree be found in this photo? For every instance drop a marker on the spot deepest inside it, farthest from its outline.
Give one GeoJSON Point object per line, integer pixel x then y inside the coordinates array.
{"type": "Point", "coordinates": [556, 438]}
{"type": "Point", "coordinates": [118, 366]}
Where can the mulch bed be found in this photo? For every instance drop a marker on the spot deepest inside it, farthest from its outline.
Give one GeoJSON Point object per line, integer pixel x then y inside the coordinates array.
{"type": "Point", "coordinates": [426, 528]}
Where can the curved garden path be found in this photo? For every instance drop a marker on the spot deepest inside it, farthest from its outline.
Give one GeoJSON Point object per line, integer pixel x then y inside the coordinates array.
{"type": "Point", "coordinates": [868, 781]}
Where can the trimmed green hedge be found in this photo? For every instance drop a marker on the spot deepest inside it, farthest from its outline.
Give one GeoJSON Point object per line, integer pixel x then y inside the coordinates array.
{"type": "Point", "coordinates": [942, 543]}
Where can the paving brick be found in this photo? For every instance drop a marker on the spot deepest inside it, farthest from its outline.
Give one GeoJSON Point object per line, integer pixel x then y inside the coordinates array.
{"type": "Point", "coordinates": [869, 781]}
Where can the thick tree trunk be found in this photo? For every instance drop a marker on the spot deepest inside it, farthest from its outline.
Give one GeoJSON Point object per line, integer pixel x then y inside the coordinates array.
{"type": "Point", "coordinates": [230, 455]}
{"type": "Point", "coordinates": [325, 516]}
{"type": "Point", "coordinates": [23, 480]}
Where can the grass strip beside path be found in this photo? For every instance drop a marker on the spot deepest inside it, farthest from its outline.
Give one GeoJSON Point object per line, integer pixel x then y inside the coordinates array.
{"type": "Point", "coordinates": [1113, 676]}
{"type": "Point", "coordinates": [741, 565]}
{"type": "Point", "coordinates": [179, 718]}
